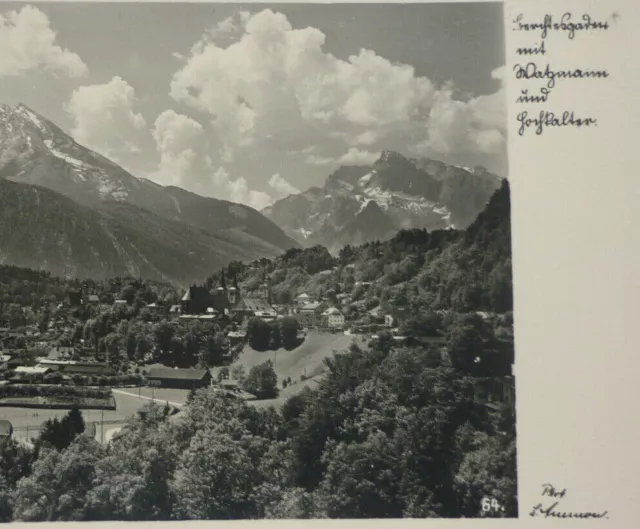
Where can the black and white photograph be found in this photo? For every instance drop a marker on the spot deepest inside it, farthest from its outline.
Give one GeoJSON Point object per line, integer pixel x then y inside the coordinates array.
{"type": "Point", "coordinates": [255, 262]}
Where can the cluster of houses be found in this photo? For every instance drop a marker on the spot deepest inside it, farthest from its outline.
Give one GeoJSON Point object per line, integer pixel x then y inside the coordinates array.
{"type": "Point", "coordinates": [200, 303]}
{"type": "Point", "coordinates": [80, 298]}
{"type": "Point", "coordinates": [15, 371]}
{"type": "Point", "coordinates": [316, 313]}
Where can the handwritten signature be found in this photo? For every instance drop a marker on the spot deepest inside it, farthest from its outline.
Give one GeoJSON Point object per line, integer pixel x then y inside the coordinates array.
{"type": "Point", "coordinates": [552, 511]}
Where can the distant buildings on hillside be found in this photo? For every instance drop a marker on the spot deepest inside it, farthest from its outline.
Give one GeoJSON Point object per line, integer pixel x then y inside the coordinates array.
{"type": "Point", "coordinates": [200, 303]}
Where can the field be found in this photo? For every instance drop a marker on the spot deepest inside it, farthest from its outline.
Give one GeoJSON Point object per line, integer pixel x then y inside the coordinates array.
{"type": "Point", "coordinates": [26, 422]}
{"type": "Point", "coordinates": [307, 360]}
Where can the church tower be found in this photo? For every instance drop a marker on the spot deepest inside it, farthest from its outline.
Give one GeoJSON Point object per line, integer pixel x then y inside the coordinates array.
{"type": "Point", "coordinates": [265, 288]}
{"type": "Point", "coordinates": [234, 292]}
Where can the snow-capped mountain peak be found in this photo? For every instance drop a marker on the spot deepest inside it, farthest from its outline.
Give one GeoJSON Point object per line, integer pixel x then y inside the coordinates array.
{"type": "Point", "coordinates": [394, 193]}
{"type": "Point", "coordinates": [31, 116]}
{"type": "Point", "coordinates": [34, 150]}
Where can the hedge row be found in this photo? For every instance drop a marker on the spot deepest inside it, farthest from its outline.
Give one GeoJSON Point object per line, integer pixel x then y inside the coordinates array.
{"type": "Point", "coordinates": [103, 380]}
{"type": "Point", "coordinates": [58, 403]}
{"type": "Point", "coordinates": [28, 390]}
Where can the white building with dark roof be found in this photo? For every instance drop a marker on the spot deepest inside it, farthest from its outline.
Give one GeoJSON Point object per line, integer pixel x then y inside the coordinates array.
{"type": "Point", "coordinates": [333, 318]}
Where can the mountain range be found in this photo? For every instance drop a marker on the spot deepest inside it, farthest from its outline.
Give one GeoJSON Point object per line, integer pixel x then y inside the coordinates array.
{"type": "Point", "coordinates": [67, 209]}
{"type": "Point", "coordinates": [73, 212]}
{"type": "Point", "coordinates": [360, 204]}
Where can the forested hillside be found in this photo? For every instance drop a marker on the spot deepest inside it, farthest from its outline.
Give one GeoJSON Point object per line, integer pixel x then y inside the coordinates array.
{"type": "Point", "coordinates": [387, 433]}
{"type": "Point", "coordinates": [461, 271]}
{"type": "Point", "coordinates": [45, 230]}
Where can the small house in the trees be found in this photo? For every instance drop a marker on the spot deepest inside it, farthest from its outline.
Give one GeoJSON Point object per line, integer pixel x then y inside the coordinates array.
{"type": "Point", "coordinates": [333, 318]}
{"type": "Point", "coordinates": [311, 313]}
{"type": "Point", "coordinates": [92, 299]}
{"type": "Point", "coordinates": [304, 299]}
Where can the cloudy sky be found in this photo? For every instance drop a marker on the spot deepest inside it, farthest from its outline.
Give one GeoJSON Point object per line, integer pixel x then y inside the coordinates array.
{"type": "Point", "coordinates": [252, 102]}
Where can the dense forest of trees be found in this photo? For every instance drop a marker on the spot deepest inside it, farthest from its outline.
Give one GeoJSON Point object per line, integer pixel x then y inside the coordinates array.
{"type": "Point", "coordinates": [387, 433]}
{"type": "Point", "coordinates": [462, 271]}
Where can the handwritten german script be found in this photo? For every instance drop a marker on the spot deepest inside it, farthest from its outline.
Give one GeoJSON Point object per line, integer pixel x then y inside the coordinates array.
{"type": "Point", "coordinates": [541, 76]}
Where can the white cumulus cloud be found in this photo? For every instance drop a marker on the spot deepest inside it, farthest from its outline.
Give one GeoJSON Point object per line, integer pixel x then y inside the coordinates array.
{"type": "Point", "coordinates": [282, 186]}
{"type": "Point", "coordinates": [237, 190]}
{"type": "Point", "coordinates": [475, 126]}
{"type": "Point", "coordinates": [277, 83]}
{"type": "Point", "coordinates": [105, 118]}
{"type": "Point", "coordinates": [28, 42]}
{"type": "Point", "coordinates": [183, 146]}
{"type": "Point", "coordinates": [180, 142]}
{"type": "Point", "coordinates": [315, 159]}
{"type": "Point", "coordinates": [357, 157]}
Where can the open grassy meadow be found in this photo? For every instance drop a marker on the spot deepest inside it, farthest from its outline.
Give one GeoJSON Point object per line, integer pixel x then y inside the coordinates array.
{"type": "Point", "coordinates": [305, 360]}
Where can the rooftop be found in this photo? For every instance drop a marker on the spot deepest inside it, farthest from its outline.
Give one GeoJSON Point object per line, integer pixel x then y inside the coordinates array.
{"type": "Point", "coordinates": [47, 361]}
{"type": "Point", "coordinates": [311, 306]}
{"type": "Point", "coordinates": [255, 305]}
{"type": "Point", "coordinates": [37, 370]}
{"type": "Point", "coordinates": [176, 374]}
{"type": "Point", "coordinates": [198, 317]}
{"type": "Point", "coordinates": [87, 370]}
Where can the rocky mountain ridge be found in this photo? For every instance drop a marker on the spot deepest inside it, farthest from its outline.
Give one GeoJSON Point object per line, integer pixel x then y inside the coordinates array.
{"type": "Point", "coordinates": [408, 193]}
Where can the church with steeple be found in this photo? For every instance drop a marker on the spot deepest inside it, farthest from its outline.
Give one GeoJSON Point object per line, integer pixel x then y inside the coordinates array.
{"type": "Point", "coordinates": [229, 301]}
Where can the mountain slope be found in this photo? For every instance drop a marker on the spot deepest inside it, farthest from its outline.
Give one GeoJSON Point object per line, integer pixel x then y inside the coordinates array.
{"type": "Point", "coordinates": [35, 151]}
{"type": "Point", "coordinates": [415, 270]}
{"type": "Point", "coordinates": [408, 193]}
{"type": "Point", "coordinates": [370, 224]}
{"type": "Point", "coordinates": [44, 230]}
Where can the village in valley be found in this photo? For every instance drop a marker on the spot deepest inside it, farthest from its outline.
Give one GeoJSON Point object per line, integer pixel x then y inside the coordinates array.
{"type": "Point", "coordinates": [261, 359]}
{"type": "Point", "coordinates": [256, 264]}
{"type": "Point", "coordinates": [115, 347]}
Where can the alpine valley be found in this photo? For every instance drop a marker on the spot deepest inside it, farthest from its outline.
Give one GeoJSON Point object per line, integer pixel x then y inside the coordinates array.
{"type": "Point", "coordinates": [360, 204]}
{"type": "Point", "coordinates": [73, 212]}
